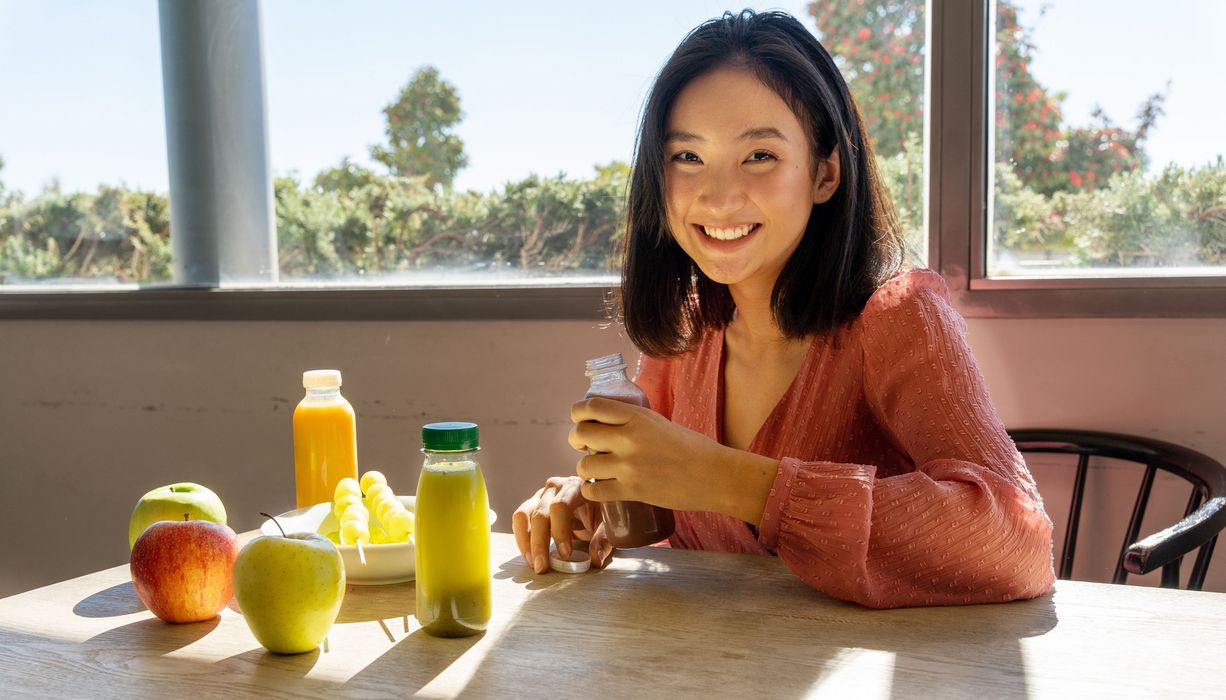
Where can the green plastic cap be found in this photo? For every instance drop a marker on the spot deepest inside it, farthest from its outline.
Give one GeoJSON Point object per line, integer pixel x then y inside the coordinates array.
{"type": "Point", "coordinates": [456, 436]}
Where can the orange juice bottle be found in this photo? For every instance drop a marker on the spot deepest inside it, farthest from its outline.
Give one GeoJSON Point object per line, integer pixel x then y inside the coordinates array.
{"type": "Point", "coordinates": [325, 438]}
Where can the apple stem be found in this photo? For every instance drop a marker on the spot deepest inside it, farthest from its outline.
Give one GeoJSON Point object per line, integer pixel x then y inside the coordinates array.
{"type": "Point", "coordinates": [186, 517]}
{"type": "Point", "coordinates": [274, 522]}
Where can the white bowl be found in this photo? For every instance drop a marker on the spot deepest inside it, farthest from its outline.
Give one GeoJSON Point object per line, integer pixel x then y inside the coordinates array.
{"type": "Point", "coordinates": [385, 563]}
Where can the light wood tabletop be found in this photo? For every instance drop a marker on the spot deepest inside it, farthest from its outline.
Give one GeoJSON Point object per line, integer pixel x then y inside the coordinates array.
{"type": "Point", "coordinates": [656, 623]}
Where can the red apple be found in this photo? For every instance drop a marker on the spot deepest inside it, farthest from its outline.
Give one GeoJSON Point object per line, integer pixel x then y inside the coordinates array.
{"type": "Point", "coordinates": [182, 569]}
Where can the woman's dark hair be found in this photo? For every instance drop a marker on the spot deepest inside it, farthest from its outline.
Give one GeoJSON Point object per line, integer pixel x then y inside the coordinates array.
{"type": "Point", "coordinates": [852, 243]}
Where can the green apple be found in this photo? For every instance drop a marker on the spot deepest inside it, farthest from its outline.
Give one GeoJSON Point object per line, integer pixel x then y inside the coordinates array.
{"type": "Point", "coordinates": [172, 503]}
{"type": "Point", "coordinates": [289, 589]}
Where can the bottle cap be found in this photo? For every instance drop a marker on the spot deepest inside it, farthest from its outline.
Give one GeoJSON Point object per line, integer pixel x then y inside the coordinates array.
{"type": "Point", "coordinates": [576, 563]}
{"type": "Point", "coordinates": [455, 436]}
{"type": "Point", "coordinates": [321, 378]}
{"type": "Point", "coordinates": [608, 363]}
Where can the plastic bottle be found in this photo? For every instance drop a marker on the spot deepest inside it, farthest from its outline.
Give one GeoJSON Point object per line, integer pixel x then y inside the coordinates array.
{"type": "Point", "coordinates": [325, 438]}
{"type": "Point", "coordinates": [453, 533]}
{"type": "Point", "coordinates": [627, 523]}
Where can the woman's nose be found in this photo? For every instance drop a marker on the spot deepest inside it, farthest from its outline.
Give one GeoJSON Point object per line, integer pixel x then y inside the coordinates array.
{"type": "Point", "coordinates": [721, 192]}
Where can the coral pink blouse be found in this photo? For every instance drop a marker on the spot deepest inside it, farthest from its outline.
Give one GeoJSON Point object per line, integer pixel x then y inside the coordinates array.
{"type": "Point", "coordinates": [897, 483]}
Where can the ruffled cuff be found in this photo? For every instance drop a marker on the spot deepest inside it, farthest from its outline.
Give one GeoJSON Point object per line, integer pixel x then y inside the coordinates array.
{"type": "Point", "coordinates": [804, 490]}
{"type": "Point", "coordinates": [768, 529]}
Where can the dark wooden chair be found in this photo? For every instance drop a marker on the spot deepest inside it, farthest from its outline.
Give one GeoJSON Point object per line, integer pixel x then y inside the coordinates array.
{"type": "Point", "coordinates": [1204, 517]}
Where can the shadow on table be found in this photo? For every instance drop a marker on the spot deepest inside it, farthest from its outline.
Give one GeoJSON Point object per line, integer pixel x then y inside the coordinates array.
{"type": "Point", "coordinates": [519, 572]}
{"type": "Point", "coordinates": [120, 599]}
{"type": "Point", "coordinates": [260, 668]}
{"type": "Point", "coordinates": [414, 661]}
{"type": "Point", "coordinates": [370, 603]}
{"type": "Point", "coordinates": [148, 637]}
{"type": "Point", "coordinates": [720, 633]}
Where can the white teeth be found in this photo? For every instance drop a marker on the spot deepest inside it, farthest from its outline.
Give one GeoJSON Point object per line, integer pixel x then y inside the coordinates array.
{"type": "Point", "coordinates": [729, 234]}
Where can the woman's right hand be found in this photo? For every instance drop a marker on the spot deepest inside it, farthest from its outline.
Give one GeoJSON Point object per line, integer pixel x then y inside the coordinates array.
{"type": "Point", "coordinates": [559, 511]}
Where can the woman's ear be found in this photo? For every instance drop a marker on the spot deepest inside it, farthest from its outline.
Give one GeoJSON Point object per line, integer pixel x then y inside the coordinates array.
{"type": "Point", "coordinates": [827, 178]}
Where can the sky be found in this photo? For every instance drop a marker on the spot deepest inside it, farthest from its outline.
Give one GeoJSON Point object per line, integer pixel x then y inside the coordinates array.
{"type": "Point", "coordinates": [546, 87]}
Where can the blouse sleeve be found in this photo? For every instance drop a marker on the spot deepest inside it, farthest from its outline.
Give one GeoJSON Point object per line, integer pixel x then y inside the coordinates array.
{"type": "Point", "coordinates": [966, 526]}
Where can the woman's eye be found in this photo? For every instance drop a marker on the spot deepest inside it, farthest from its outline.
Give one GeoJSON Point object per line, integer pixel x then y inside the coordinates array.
{"type": "Point", "coordinates": [687, 157]}
{"type": "Point", "coordinates": [758, 156]}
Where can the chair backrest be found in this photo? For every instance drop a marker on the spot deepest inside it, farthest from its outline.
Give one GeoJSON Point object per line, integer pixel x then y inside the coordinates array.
{"type": "Point", "coordinates": [1204, 517]}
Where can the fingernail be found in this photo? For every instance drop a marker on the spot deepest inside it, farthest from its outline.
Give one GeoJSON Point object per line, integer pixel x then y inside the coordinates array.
{"type": "Point", "coordinates": [542, 565]}
{"type": "Point", "coordinates": [564, 549]}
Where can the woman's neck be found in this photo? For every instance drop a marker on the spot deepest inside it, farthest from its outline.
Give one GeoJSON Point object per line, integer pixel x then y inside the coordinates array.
{"type": "Point", "coordinates": [753, 326]}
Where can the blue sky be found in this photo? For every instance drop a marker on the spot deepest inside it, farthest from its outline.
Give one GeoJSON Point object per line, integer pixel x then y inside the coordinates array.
{"type": "Point", "coordinates": [546, 87]}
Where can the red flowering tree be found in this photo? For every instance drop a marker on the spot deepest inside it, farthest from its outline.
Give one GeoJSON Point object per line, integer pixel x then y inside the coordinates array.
{"type": "Point", "coordinates": [879, 46]}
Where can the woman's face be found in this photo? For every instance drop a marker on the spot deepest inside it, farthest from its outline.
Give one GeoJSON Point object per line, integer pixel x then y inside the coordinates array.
{"type": "Point", "coordinates": [739, 178]}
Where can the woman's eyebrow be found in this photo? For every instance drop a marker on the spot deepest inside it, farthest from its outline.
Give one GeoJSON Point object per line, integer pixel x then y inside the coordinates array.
{"type": "Point", "coordinates": [756, 133]}
{"type": "Point", "coordinates": [762, 132]}
{"type": "Point", "coordinates": [683, 136]}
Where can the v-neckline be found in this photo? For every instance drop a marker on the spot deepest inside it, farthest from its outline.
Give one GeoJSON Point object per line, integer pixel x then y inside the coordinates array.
{"type": "Point", "coordinates": [720, 358]}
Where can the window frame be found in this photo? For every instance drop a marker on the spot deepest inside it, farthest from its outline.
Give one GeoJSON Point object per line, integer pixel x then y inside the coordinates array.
{"type": "Point", "coordinates": [957, 86]}
{"type": "Point", "coordinates": [960, 33]}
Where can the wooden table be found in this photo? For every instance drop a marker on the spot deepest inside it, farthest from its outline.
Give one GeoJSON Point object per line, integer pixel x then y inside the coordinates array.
{"type": "Point", "coordinates": [658, 623]}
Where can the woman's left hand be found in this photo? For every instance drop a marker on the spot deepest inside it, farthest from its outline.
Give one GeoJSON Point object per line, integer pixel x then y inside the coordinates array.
{"type": "Point", "coordinates": [643, 456]}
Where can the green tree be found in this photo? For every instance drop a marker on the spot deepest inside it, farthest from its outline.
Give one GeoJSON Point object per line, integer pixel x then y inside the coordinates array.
{"type": "Point", "coordinates": [419, 130]}
{"type": "Point", "coordinates": [116, 234]}
{"type": "Point", "coordinates": [397, 225]}
{"type": "Point", "coordinates": [344, 177]}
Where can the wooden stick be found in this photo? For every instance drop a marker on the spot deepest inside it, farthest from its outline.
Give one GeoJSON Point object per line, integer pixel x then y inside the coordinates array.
{"type": "Point", "coordinates": [361, 553]}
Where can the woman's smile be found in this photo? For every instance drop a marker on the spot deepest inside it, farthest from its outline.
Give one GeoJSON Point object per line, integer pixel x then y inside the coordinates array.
{"type": "Point", "coordinates": [729, 233]}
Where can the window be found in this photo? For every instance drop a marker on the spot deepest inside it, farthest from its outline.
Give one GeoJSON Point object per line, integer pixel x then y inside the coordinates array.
{"type": "Point", "coordinates": [985, 226]}
{"type": "Point", "coordinates": [1108, 144]}
{"type": "Point", "coordinates": [434, 162]}
{"type": "Point", "coordinates": [83, 177]}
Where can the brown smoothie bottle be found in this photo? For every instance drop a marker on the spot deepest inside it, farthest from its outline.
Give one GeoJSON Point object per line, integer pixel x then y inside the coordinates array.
{"type": "Point", "coordinates": [627, 523]}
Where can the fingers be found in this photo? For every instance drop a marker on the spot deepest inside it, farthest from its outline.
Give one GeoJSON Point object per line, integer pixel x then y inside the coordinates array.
{"type": "Point", "coordinates": [591, 436]}
{"type": "Point", "coordinates": [538, 533]}
{"type": "Point", "coordinates": [605, 411]}
{"type": "Point", "coordinates": [552, 512]}
{"type": "Point", "coordinates": [606, 490]}
{"type": "Point", "coordinates": [599, 549]}
{"type": "Point", "coordinates": [562, 515]}
{"type": "Point", "coordinates": [597, 466]}
{"type": "Point", "coordinates": [520, 524]}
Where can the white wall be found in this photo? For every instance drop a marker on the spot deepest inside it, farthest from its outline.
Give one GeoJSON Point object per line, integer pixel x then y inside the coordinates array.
{"type": "Point", "coordinates": [93, 413]}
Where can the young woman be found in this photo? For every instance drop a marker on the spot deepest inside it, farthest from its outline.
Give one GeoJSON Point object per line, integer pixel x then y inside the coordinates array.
{"type": "Point", "coordinates": [812, 400]}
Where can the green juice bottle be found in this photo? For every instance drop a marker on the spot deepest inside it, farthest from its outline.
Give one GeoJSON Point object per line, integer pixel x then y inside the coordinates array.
{"type": "Point", "coordinates": [452, 533]}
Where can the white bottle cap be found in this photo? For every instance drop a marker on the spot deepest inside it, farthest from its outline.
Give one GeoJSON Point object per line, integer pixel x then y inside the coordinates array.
{"type": "Point", "coordinates": [320, 378]}
{"type": "Point", "coordinates": [576, 563]}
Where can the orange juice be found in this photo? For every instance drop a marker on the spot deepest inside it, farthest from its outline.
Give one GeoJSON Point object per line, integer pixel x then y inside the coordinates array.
{"type": "Point", "coordinates": [452, 534]}
{"type": "Point", "coordinates": [325, 438]}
